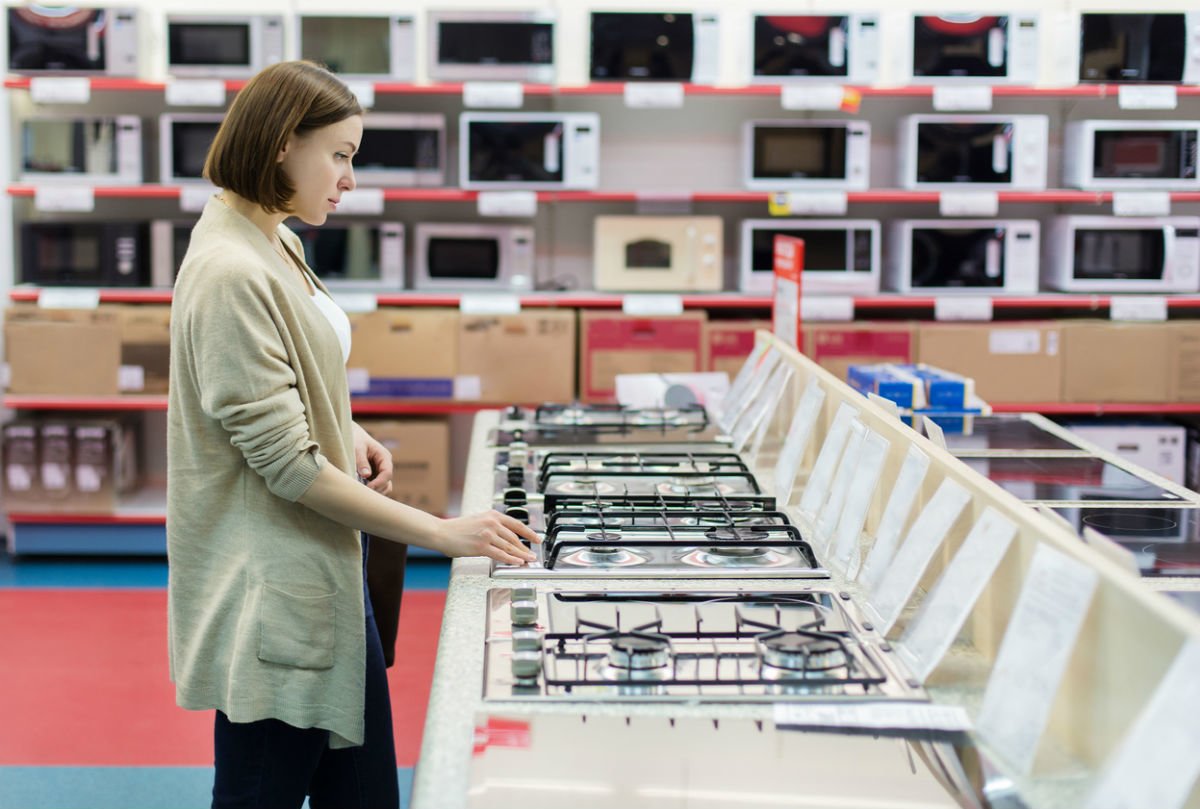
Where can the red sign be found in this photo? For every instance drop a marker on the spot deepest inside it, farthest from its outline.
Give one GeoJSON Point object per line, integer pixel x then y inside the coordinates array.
{"type": "Point", "coordinates": [789, 268]}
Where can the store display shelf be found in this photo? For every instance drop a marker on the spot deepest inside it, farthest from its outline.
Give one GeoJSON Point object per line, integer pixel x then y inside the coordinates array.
{"type": "Point", "coordinates": [1096, 408]}
{"type": "Point", "coordinates": [144, 507]}
{"type": "Point", "coordinates": [400, 407]}
{"type": "Point", "coordinates": [37, 402]}
{"type": "Point", "coordinates": [107, 295]}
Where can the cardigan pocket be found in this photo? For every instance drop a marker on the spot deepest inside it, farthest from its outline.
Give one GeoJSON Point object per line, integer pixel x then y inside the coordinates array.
{"type": "Point", "coordinates": [296, 630]}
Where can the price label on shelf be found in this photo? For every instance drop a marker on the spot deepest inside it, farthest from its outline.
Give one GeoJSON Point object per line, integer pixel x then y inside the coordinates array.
{"type": "Point", "coordinates": [193, 197]}
{"type": "Point", "coordinates": [1147, 97]}
{"type": "Point", "coordinates": [816, 203]}
{"type": "Point", "coordinates": [131, 378]}
{"type": "Point", "coordinates": [364, 91]}
{"type": "Point", "coordinates": [1151, 308]}
{"type": "Point", "coordinates": [827, 308]}
{"type": "Point", "coordinates": [968, 203]}
{"type": "Point", "coordinates": [955, 99]}
{"type": "Point", "coordinates": [362, 201]}
{"type": "Point", "coordinates": [507, 203]}
{"type": "Point", "coordinates": [962, 307]}
{"type": "Point", "coordinates": [1142, 203]}
{"type": "Point", "coordinates": [60, 90]}
{"type": "Point", "coordinates": [653, 95]}
{"type": "Point", "coordinates": [652, 305]}
{"type": "Point", "coordinates": [64, 298]}
{"type": "Point", "coordinates": [356, 302]}
{"type": "Point", "coordinates": [496, 95]}
{"type": "Point", "coordinates": [71, 198]}
{"type": "Point", "coordinates": [195, 93]}
{"type": "Point", "coordinates": [489, 304]}
{"type": "Point", "coordinates": [812, 97]}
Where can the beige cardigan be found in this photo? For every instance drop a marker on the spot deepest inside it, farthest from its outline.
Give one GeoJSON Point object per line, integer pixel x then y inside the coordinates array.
{"type": "Point", "coordinates": [265, 596]}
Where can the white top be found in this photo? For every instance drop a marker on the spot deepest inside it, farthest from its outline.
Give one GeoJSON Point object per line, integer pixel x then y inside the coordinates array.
{"type": "Point", "coordinates": [337, 319]}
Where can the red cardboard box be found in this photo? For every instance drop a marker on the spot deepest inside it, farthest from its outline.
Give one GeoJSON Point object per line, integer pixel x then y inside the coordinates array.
{"type": "Point", "coordinates": [612, 344]}
{"type": "Point", "coordinates": [837, 346]}
{"type": "Point", "coordinates": [729, 342]}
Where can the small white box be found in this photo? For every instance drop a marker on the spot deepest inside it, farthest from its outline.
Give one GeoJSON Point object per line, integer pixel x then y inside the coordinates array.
{"type": "Point", "coordinates": [1160, 448]}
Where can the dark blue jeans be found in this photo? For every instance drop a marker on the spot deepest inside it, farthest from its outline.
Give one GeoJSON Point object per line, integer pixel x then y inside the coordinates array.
{"type": "Point", "coordinates": [271, 765]}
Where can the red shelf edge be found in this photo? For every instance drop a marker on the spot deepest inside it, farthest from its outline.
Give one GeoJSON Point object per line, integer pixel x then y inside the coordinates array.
{"type": "Point", "coordinates": [35, 402]}
{"type": "Point", "coordinates": [51, 518]}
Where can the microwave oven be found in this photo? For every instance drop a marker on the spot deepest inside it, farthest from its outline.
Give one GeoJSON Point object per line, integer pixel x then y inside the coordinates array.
{"type": "Point", "coordinates": [183, 143]}
{"type": "Point", "coordinates": [88, 254]}
{"type": "Point", "coordinates": [841, 256]}
{"type": "Point", "coordinates": [1138, 47]}
{"type": "Point", "coordinates": [789, 47]}
{"type": "Point", "coordinates": [169, 241]}
{"type": "Point", "coordinates": [223, 46]}
{"type": "Point", "coordinates": [531, 150]}
{"type": "Point", "coordinates": [994, 152]}
{"type": "Point", "coordinates": [472, 257]}
{"type": "Point", "coordinates": [1123, 254]}
{"type": "Point", "coordinates": [360, 46]}
{"type": "Point", "coordinates": [1122, 155]}
{"type": "Point", "coordinates": [402, 149]}
{"type": "Point", "coordinates": [973, 48]}
{"type": "Point", "coordinates": [102, 150]}
{"type": "Point", "coordinates": [355, 255]}
{"type": "Point", "coordinates": [655, 46]}
{"type": "Point", "coordinates": [658, 253]}
{"type": "Point", "coordinates": [978, 256]}
{"type": "Point", "coordinates": [65, 40]}
{"type": "Point", "coordinates": [491, 45]}
{"type": "Point", "coordinates": [798, 154]}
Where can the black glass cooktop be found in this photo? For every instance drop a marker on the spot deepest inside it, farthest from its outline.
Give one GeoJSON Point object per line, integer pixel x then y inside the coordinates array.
{"type": "Point", "coordinates": [1079, 478]}
{"type": "Point", "coordinates": [1004, 432]}
{"type": "Point", "coordinates": [1164, 541]}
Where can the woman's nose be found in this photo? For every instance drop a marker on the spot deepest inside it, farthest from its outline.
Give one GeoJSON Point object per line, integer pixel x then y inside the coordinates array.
{"type": "Point", "coordinates": [348, 182]}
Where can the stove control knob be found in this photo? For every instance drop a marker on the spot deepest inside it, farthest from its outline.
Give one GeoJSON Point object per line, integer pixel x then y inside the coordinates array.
{"type": "Point", "coordinates": [523, 607]}
{"type": "Point", "coordinates": [517, 457]}
{"type": "Point", "coordinates": [527, 665]}
{"type": "Point", "coordinates": [515, 497]}
{"type": "Point", "coordinates": [514, 413]}
{"type": "Point", "coordinates": [516, 476]}
{"type": "Point", "coordinates": [518, 513]}
{"type": "Point", "coordinates": [526, 640]}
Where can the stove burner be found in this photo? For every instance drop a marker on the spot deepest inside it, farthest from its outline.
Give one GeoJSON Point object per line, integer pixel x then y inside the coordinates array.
{"type": "Point", "coordinates": [638, 652]}
{"type": "Point", "coordinates": [736, 556]}
{"type": "Point", "coordinates": [600, 521]}
{"type": "Point", "coordinates": [734, 534]}
{"type": "Point", "coordinates": [604, 536]}
{"type": "Point", "coordinates": [1127, 523]}
{"type": "Point", "coordinates": [603, 556]}
{"type": "Point", "coordinates": [584, 486]}
{"type": "Point", "coordinates": [700, 480]}
{"type": "Point", "coordinates": [690, 486]}
{"type": "Point", "coordinates": [800, 655]}
{"type": "Point", "coordinates": [658, 417]}
{"type": "Point", "coordinates": [726, 505]}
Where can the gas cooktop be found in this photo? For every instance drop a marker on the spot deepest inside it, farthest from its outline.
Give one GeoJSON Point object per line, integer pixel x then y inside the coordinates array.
{"type": "Point", "coordinates": [599, 424]}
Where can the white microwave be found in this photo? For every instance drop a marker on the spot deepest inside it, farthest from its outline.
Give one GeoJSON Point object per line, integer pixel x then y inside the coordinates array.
{"type": "Point", "coordinates": [655, 46]}
{"type": "Point", "coordinates": [841, 256]}
{"type": "Point", "coordinates": [531, 150]}
{"type": "Point", "coordinates": [1136, 47]}
{"type": "Point", "coordinates": [491, 46]}
{"type": "Point", "coordinates": [65, 40]}
{"type": "Point", "coordinates": [359, 46]}
{"type": "Point", "coordinates": [183, 144]}
{"type": "Point", "coordinates": [658, 253]}
{"type": "Point", "coordinates": [355, 255]}
{"type": "Point", "coordinates": [101, 150]}
{"type": "Point", "coordinates": [827, 48]}
{"type": "Point", "coordinates": [797, 155]}
{"type": "Point", "coordinates": [1123, 155]}
{"type": "Point", "coordinates": [472, 258]}
{"type": "Point", "coordinates": [1123, 254]}
{"type": "Point", "coordinates": [974, 256]}
{"type": "Point", "coordinates": [993, 152]}
{"type": "Point", "coordinates": [223, 46]}
{"type": "Point", "coordinates": [973, 48]}
{"type": "Point", "coordinates": [402, 149]}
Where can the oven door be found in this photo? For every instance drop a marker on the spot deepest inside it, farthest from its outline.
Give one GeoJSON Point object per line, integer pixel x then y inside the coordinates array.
{"type": "Point", "coordinates": [222, 46]}
{"type": "Point", "coordinates": [356, 255]}
{"type": "Point", "coordinates": [1133, 47]}
{"type": "Point", "coordinates": [642, 46]}
{"type": "Point", "coordinates": [84, 254]}
{"type": "Point", "coordinates": [840, 257]}
{"type": "Point", "coordinates": [367, 47]}
{"type": "Point", "coordinates": [958, 258]}
{"type": "Point", "coordinates": [806, 155]}
{"type": "Point", "coordinates": [792, 47]}
{"type": "Point", "coordinates": [82, 150]}
{"type": "Point", "coordinates": [1122, 254]}
{"type": "Point", "coordinates": [59, 40]}
{"type": "Point", "coordinates": [184, 144]}
{"type": "Point", "coordinates": [1145, 157]}
{"type": "Point", "coordinates": [960, 47]}
{"type": "Point", "coordinates": [965, 152]}
{"type": "Point", "coordinates": [402, 150]}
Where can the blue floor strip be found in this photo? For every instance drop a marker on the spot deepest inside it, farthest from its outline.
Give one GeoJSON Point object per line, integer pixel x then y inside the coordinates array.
{"type": "Point", "coordinates": [121, 787]}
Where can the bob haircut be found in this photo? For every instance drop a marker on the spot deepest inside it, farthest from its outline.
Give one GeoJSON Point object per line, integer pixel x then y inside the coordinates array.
{"type": "Point", "coordinates": [283, 99]}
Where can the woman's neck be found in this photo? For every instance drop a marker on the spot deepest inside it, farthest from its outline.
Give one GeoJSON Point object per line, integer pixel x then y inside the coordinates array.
{"type": "Point", "coordinates": [268, 223]}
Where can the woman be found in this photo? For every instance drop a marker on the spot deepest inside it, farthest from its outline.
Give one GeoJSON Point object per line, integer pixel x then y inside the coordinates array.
{"type": "Point", "coordinates": [266, 596]}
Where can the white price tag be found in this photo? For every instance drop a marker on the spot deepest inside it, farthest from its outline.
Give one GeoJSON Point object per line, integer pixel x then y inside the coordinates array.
{"type": "Point", "coordinates": [489, 304]}
{"type": "Point", "coordinates": [64, 298]}
{"type": "Point", "coordinates": [880, 716]}
{"type": "Point", "coordinates": [817, 203]}
{"type": "Point", "coordinates": [1142, 203]}
{"type": "Point", "coordinates": [812, 97]}
{"type": "Point", "coordinates": [468, 388]}
{"type": "Point", "coordinates": [827, 308]}
{"type": "Point", "coordinates": [796, 443]}
{"type": "Point", "coordinates": [364, 91]}
{"type": "Point", "coordinates": [131, 378]}
{"type": "Point", "coordinates": [195, 93]}
{"type": "Point", "coordinates": [356, 302]}
{"type": "Point", "coordinates": [508, 203]}
{"type": "Point", "coordinates": [71, 198]}
{"type": "Point", "coordinates": [895, 516]}
{"type": "Point", "coordinates": [494, 94]}
{"type": "Point", "coordinates": [954, 99]}
{"type": "Point", "coordinates": [652, 305]}
{"type": "Point", "coordinates": [1138, 307]}
{"type": "Point", "coordinates": [1034, 653]}
{"type": "Point", "coordinates": [1147, 97]}
{"type": "Point", "coordinates": [968, 203]}
{"type": "Point", "coordinates": [193, 197]}
{"type": "Point", "coordinates": [962, 307]}
{"type": "Point", "coordinates": [358, 380]}
{"type": "Point", "coordinates": [362, 201]}
{"type": "Point", "coordinates": [60, 90]}
{"type": "Point", "coordinates": [653, 95]}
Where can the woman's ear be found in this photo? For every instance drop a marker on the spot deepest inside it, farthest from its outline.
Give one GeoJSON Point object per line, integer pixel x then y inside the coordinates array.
{"type": "Point", "coordinates": [287, 144]}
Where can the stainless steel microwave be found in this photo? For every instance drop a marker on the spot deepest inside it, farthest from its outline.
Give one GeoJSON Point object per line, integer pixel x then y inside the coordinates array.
{"type": "Point", "coordinates": [994, 152]}
{"type": "Point", "coordinates": [798, 154]}
{"type": "Point", "coordinates": [841, 256]}
{"type": "Point", "coordinates": [655, 46]}
{"type": "Point", "coordinates": [401, 149]}
{"type": "Point", "coordinates": [359, 46]}
{"type": "Point", "coordinates": [531, 150]}
{"type": "Point", "coordinates": [64, 40]}
{"type": "Point", "coordinates": [973, 48]}
{"type": "Point", "coordinates": [827, 48]}
{"type": "Point", "coordinates": [183, 144]}
{"type": "Point", "coordinates": [1138, 47]}
{"type": "Point", "coordinates": [491, 45]}
{"type": "Point", "coordinates": [1124, 155]}
{"type": "Point", "coordinates": [89, 254]}
{"type": "Point", "coordinates": [979, 256]}
{"type": "Point", "coordinates": [658, 253]}
{"type": "Point", "coordinates": [355, 255]}
{"type": "Point", "coordinates": [472, 258]}
{"type": "Point", "coordinates": [101, 150]}
{"type": "Point", "coordinates": [223, 45]}
{"type": "Point", "coordinates": [1123, 254]}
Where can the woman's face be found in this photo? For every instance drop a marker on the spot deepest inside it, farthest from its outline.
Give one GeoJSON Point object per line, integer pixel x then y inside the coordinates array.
{"type": "Point", "coordinates": [318, 164]}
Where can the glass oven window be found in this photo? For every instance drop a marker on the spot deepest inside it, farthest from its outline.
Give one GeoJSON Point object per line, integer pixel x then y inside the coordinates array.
{"type": "Point", "coordinates": [800, 46]}
{"type": "Point", "coordinates": [190, 141]}
{"type": "Point", "coordinates": [1132, 47]}
{"type": "Point", "coordinates": [68, 252]}
{"type": "Point", "coordinates": [496, 43]}
{"type": "Point", "coordinates": [56, 42]}
{"type": "Point", "coordinates": [342, 253]}
{"type": "Point", "coordinates": [70, 147]}
{"type": "Point", "coordinates": [800, 152]}
{"type": "Point", "coordinates": [397, 149]}
{"type": "Point", "coordinates": [958, 258]}
{"type": "Point", "coordinates": [648, 254]}
{"type": "Point", "coordinates": [964, 153]}
{"type": "Point", "coordinates": [451, 259]}
{"type": "Point", "coordinates": [949, 47]}
{"type": "Point", "coordinates": [516, 151]}
{"type": "Point", "coordinates": [208, 44]}
{"type": "Point", "coordinates": [824, 250]}
{"type": "Point", "coordinates": [638, 45]}
{"type": "Point", "coordinates": [1132, 254]}
{"type": "Point", "coordinates": [348, 44]}
{"type": "Point", "coordinates": [1137, 154]}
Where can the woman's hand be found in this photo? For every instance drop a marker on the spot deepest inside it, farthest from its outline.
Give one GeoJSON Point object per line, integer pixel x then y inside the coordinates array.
{"type": "Point", "coordinates": [491, 534]}
{"type": "Point", "coordinates": [372, 461]}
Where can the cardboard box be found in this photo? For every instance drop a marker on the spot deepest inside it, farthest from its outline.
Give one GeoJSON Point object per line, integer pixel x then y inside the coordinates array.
{"type": "Point", "coordinates": [729, 342]}
{"type": "Point", "coordinates": [22, 488]}
{"type": "Point", "coordinates": [612, 344]}
{"type": "Point", "coordinates": [1184, 342]}
{"type": "Point", "coordinates": [402, 352]}
{"type": "Point", "coordinates": [1157, 446]}
{"type": "Point", "coordinates": [837, 346]}
{"type": "Point", "coordinates": [145, 347]}
{"type": "Point", "coordinates": [69, 465]}
{"type": "Point", "coordinates": [1010, 362]}
{"type": "Point", "coordinates": [524, 358]}
{"type": "Point", "coordinates": [1116, 362]}
{"type": "Point", "coordinates": [104, 464]}
{"type": "Point", "coordinates": [421, 460]}
{"type": "Point", "coordinates": [62, 352]}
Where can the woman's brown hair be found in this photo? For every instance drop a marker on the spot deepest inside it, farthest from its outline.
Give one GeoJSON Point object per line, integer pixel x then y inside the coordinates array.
{"type": "Point", "coordinates": [285, 98]}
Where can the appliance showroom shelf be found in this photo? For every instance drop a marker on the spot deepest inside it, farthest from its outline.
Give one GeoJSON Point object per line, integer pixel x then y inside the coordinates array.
{"type": "Point", "coordinates": [144, 507]}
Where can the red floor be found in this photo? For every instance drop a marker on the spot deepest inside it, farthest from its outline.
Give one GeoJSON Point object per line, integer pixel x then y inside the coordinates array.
{"type": "Point", "coordinates": [83, 680]}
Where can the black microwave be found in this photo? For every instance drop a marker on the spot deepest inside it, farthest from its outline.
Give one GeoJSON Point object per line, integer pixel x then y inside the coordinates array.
{"type": "Point", "coordinates": [355, 255]}
{"type": "Point", "coordinates": [85, 254]}
{"type": "Point", "coordinates": [791, 47]}
{"type": "Point", "coordinates": [1139, 47]}
{"type": "Point", "coordinates": [64, 40]}
{"type": "Point", "coordinates": [993, 256]}
{"type": "Point", "coordinates": [651, 46]}
{"type": "Point", "coordinates": [183, 144]}
{"type": "Point", "coordinates": [976, 47]}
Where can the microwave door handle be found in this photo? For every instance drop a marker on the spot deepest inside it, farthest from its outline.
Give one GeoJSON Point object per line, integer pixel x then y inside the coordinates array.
{"type": "Point", "coordinates": [1000, 153]}
{"type": "Point", "coordinates": [1168, 232]}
